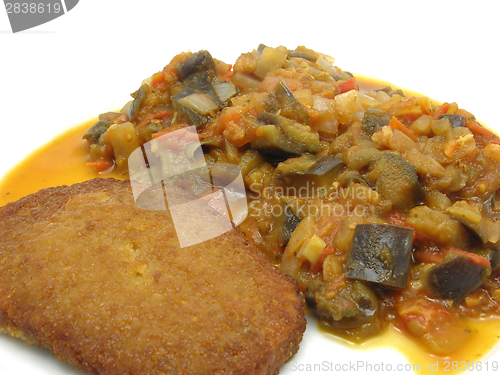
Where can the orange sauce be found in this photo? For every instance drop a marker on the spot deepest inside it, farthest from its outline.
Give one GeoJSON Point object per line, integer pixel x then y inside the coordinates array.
{"type": "Point", "coordinates": [59, 162]}
{"type": "Point", "coordinates": [62, 162]}
{"type": "Point", "coordinates": [484, 336]}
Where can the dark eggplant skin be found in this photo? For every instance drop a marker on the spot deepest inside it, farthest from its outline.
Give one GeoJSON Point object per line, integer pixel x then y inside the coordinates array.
{"type": "Point", "coordinates": [374, 120]}
{"type": "Point", "coordinates": [194, 117]}
{"type": "Point", "coordinates": [196, 63]}
{"type": "Point", "coordinates": [139, 97]}
{"type": "Point", "coordinates": [198, 72]}
{"type": "Point", "coordinates": [380, 253]}
{"type": "Point", "coordinates": [396, 180]}
{"type": "Point", "coordinates": [99, 128]}
{"type": "Point", "coordinates": [354, 305]}
{"type": "Point", "coordinates": [390, 91]}
{"type": "Point", "coordinates": [279, 143]}
{"type": "Point", "coordinates": [321, 174]}
{"type": "Point", "coordinates": [280, 99]}
{"type": "Point", "coordinates": [454, 277]}
{"type": "Point", "coordinates": [456, 120]}
{"type": "Point", "coordinates": [303, 55]}
{"type": "Point", "coordinates": [290, 223]}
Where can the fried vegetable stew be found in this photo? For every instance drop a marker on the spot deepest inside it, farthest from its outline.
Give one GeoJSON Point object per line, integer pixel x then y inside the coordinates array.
{"type": "Point", "coordinates": [384, 207]}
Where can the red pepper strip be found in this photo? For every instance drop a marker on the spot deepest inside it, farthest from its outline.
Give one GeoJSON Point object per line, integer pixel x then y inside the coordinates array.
{"type": "Point", "coordinates": [442, 110]}
{"type": "Point", "coordinates": [348, 85]}
{"type": "Point", "coordinates": [488, 135]}
{"type": "Point", "coordinates": [396, 124]}
{"type": "Point", "coordinates": [158, 79]}
{"type": "Point", "coordinates": [478, 259]}
{"type": "Point", "coordinates": [101, 165]}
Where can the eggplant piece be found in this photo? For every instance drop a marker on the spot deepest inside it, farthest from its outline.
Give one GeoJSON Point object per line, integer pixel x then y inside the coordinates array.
{"type": "Point", "coordinates": [493, 255]}
{"type": "Point", "coordinates": [280, 99]}
{"type": "Point", "coordinates": [483, 228]}
{"type": "Point", "coordinates": [380, 253]}
{"type": "Point", "coordinates": [389, 91]}
{"type": "Point", "coordinates": [351, 177]}
{"type": "Point", "coordinates": [354, 306]}
{"type": "Point", "coordinates": [287, 222]}
{"type": "Point", "coordinates": [197, 72]}
{"type": "Point", "coordinates": [396, 180]}
{"type": "Point", "coordinates": [99, 128]}
{"type": "Point", "coordinates": [374, 120]}
{"type": "Point", "coordinates": [321, 174]}
{"type": "Point", "coordinates": [198, 62]}
{"type": "Point", "coordinates": [147, 132]}
{"type": "Point", "coordinates": [281, 138]}
{"type": "Point", "coordinates": [194, 117]}
{"type": "Point", "coordinates": [139, 97]}
{"type": "Point", "coordinates": [456, 120]}
{"type": "Point", "coordinates": [201, 83]}
{"type": "Point", "coordinates": [454, 278]}
{"type": "Point", "coordinates": [303, 55]}
{"type": "Point", "coordinates": [343, 76]}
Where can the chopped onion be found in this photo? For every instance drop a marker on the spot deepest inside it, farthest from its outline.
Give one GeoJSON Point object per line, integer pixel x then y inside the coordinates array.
{"type": "Point", "coordinates": [125, 108]}
{"type": "Point", "coordinates": [199, 102]}
{"type": "Point", "coordinates": [367, 101]}
{"type": "Point", "coordinates": [225, 90]}
{"type": "Point", "coordinates": [271, 58]}
{"type": "Point", "coordinates": [147, 81]}
{"type": "Point", "coordinates": [326, 66]}
{"type": "Point", "coordinates": [245, 81]}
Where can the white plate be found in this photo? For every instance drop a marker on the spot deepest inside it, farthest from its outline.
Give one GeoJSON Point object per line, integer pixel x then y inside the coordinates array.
{"type": "Point", "coordinates": [88, 61]}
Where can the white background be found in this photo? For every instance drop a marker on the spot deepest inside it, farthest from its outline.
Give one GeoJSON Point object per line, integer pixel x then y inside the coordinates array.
{"type": "Point", "coordinates": [69, 70]}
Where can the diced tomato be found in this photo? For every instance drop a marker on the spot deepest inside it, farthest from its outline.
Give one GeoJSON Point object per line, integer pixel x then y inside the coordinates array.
{"type": "Point", "coordinates": [237, 129]}
{"type": "Point", "coordinates": [329, 250]}
{"type": "Point", "coordinates": [170, 71]}
{"type": "Point", "coordinates": [442, 110]}
{"type": "Point", "coordinates": [396, 218]}
{"type": "Point", "coordinates": [478, 259]}
{"type": "Point", "coordinates": [429, 254]}
{"type": "Point", "coordinates": [477, 129]}
{"type": "Point", "coordinates": [433, 254]}
{"type": "Point", "coordinates": [319, 264]}
{"type": "Point", "coordinates": [396, 124]}
{"type": "Point", "coordinates": [399, 218]}
{"type": "Point", "coordinates": [228, 74]}
{"type": "Point", "coordinates": [348, 85]}
{"type": "Point", "coordinates": [157, 79]}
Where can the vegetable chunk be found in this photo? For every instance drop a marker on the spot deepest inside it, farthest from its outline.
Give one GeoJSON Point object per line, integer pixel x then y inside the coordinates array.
{"type": "Point", "coordinates": [396, 180]}
{"type": "Point", "coordinates": [380, 253]}
{"type": "Point", "coordinates": [308, 181]}
{"type": "Point", "coordinates": [455, 277]}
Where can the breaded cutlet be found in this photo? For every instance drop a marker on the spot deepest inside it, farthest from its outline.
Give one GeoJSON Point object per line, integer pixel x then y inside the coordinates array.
{"type": "Point", "coordinates": [106, 287]}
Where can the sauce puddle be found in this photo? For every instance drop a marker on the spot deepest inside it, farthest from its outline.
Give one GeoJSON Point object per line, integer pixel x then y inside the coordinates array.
{"type": "Point", "coordinates": [59, 162]}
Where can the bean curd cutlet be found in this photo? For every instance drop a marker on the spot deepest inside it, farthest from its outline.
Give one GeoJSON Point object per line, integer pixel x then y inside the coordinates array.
{"type": "Point", "coordinates": [105, 286]}
{"type": "Point", "coordinates": [384, 207]}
